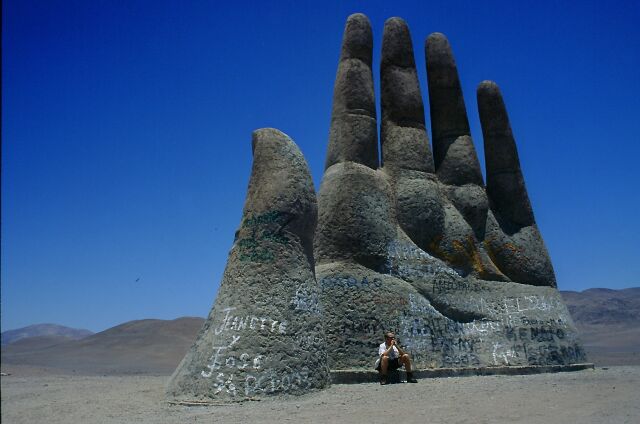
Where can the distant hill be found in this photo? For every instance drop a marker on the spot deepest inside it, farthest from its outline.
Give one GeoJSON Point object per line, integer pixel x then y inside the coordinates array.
{"type": "Point", "coordinates": [604, 306]}
{"type": "Point", "coordinates": [608, 322]}
{"type": "Point", "coordinates": [148, 346]}
{"type": "Point", "coordinates": [49, 330]}
{"type": "Point", "coordinates": [37, 342]}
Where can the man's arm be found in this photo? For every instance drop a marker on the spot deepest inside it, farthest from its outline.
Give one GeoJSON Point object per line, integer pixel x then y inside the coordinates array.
{"type": "Point", "coordinates": [382, 351]}
{"type": "Point", "coordinates": [400, 351]}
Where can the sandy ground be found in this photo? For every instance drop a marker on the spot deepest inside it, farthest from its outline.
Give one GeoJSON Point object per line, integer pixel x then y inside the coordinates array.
{"type": "Point", "coordinates": [604, 395]}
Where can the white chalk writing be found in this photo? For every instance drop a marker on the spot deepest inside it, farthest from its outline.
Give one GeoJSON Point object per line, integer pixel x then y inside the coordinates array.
{"type": "Point", "coordinates": [249, 322]}
{"type": "Point", "coordinates": [306, 300]}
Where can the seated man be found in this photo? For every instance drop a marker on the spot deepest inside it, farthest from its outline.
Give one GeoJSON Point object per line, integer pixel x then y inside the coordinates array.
{"type": "Point", "coordinates": [391, 358]}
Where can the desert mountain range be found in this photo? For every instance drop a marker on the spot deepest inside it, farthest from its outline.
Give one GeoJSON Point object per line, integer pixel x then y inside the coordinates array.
{"type": "Point", "coordinates": [44, 330]}
{"type": "Point", "coordinates": [608, 321]}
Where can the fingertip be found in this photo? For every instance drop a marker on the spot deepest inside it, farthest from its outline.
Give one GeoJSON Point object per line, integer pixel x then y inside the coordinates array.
{"type": "Point", "coordinates": [357, 41]}
{"type": "Point", "coordinates": [437, 41]}
{"type": "Point", "coordinates": [396, 24]}
{"type": "Point", "coordinates": [492, 110]}
{"type": "Point", "coordinates": [397, 47]}
{"type": "Point", "coordinates": [280, 175]}
{"type": "Point", "coordinates": [359, 17]}
{"type": "Point", "coordinates": [437, 37]}
{"type": "Point", "coordinates": [269, 133]}
{"type": "Point", "coordinates": [438, 52]}
{"type": "Point", "coordinates": [397, 28]}
{"type": "Point", "coordinates": [266, 135]}
{"type": "Point", "coordinates": [488, 88]}
{"type": "Point", "coordinates": [395, 20]}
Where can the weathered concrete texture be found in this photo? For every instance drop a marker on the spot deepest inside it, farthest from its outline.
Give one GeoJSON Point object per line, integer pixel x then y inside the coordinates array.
{"type": "Point", "coordinates": [403, 132]}
{"type": "Point", "coordinates": [441, 318]}
{"type": "Point", "coordinates": [420, 207]}
{"type": "Point", "coordinates": [505, 183]}
{"type": "Point", "coordinates": [354, 134]}
{"type": "Point", "coordinates": [512, 238]}
{"type": "Point", "coordinates": [521, 255]}
{"type": "Point", "coordinates": [459, 272]}
{"type": "Point", "coordinates": [455, 157]}
{"type": "Point", "coordinates": [265, 333]}
{"type": "Point", "coordinates": [359, 199]}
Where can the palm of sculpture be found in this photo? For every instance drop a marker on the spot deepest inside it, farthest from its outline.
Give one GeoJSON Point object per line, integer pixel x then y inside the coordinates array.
{"type": "Point", "coordinates": [418, 245]}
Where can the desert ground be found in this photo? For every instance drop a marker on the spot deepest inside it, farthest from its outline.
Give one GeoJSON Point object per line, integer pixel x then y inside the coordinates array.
{"type": "Point", "coordinates": [603, 395]}
{"type": "Point", "coordinates": [118, 376]}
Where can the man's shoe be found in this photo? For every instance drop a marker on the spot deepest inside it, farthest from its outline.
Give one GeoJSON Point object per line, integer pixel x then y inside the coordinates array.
{"type": "Point", "coordinates": [410, 378]}
{"type": "Point", "coordinates": [383, 380]}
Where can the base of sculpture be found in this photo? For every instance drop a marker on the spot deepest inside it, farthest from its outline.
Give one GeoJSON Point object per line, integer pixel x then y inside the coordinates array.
{"type": "Point", "coordinates": [358, 376]}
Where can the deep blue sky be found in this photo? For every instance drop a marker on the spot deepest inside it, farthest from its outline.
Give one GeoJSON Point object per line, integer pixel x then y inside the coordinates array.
{"type": "Point", "coordinates": [126, 135]}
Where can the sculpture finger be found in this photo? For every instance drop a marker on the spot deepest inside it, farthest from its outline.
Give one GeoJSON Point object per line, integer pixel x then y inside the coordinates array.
{"type": "Point", "coordinates": [280, 181]}
{"type": "Point", "coordinates": [264, 334]}
{"type": "Point", "coordinates": [455, 157]}
{"type": "Point", "coordinates": [353, 133]}
{"type": "Point", "coordinates": [505, 184]}
{"type": "Point", "coordinates": [513, 239]}
{"type": "Point", "coordinates": [403, 135]}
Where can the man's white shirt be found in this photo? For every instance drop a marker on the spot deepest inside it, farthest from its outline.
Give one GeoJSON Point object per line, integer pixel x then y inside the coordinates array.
{"type": "Point", "coordinates": [393, 354]}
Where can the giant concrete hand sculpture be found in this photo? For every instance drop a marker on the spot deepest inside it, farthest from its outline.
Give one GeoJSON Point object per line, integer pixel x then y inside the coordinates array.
{"type": "Point", "coordinates": [264, 334]}
{"type": "Point", "coordinates": [418, 244]}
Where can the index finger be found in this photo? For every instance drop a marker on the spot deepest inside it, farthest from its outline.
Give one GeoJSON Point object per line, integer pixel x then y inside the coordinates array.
{"type": "Point", "coordinates": [353, 136]}
{"type": "Point", "coordinates": [453, 152]}
{"type": "Point", "coordinates": [403, 134]}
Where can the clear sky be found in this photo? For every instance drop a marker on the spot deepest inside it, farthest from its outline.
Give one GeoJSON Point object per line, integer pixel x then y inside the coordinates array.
{"type": "Point", "coordinates": [126, 135]}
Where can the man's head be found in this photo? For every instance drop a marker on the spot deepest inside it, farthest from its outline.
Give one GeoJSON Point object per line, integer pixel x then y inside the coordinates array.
{"type": "Point", "coordinates": [389, 336]}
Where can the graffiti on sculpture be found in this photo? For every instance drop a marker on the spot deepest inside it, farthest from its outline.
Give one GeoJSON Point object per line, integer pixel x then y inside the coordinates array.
{"type": "Point", "coordinates": [261, 230]}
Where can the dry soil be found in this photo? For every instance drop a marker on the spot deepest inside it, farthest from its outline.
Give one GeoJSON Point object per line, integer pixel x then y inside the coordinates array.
{"type": "Point", "coordinates": [603, 395]}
